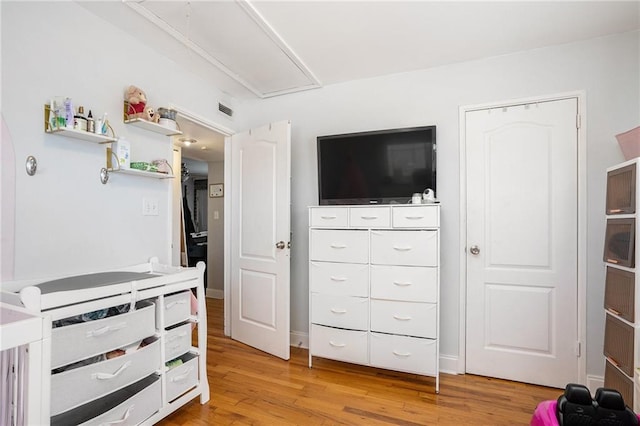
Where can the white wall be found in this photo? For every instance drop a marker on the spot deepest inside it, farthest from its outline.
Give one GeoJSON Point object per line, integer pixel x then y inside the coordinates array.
{"type": "Point", "coordinates": [607, 69]}
{"type": "Point", "coordinates": [66, 220]}
{"type": "Point", "coordinates": [215, 244]}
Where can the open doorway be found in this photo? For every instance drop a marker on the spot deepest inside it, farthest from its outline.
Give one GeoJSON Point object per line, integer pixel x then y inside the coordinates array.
{"type": "Point", "coordinates": [198, 198]}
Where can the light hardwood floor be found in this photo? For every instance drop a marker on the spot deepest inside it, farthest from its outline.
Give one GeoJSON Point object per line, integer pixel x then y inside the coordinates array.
{"type": "Point", "coordinates": [249, 387]}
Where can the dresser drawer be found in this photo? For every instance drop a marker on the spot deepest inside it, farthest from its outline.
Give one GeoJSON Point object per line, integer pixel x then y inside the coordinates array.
{"type": "Point", "coordinates": [183, 377]}
{"type": "Point", "coordinates": [177, 308]}
{"type": "Point", "coordinates": [346, 246]}
{"type": "Point", "coordinates": [177, 341]}
{"type": "Point", "coordinates": [416, 217]}
{"type": "Point", "coordinates": [616, 379]}
{"type": "Point", "coordinates": [340, 311]}
{"type": "Point", "coordinates": [370, 217]}
{"type": "Point", "coordinates": [129, 406]}
{"type": "Point", "coordinates": [343, 279]}
{"type": "Point", "coordinates": [76, 342]}
{"type": "Point", "coordinates": [75, 387]}
{"type": "Point", "coordinates": [408, 283]}
{"type": "Point", "coordinates": [407, 318]}
{"type": "Point", "coordinates": [328, 217]}
{"type": "Point", "coordinates": [409, 354]}
{"type": "Point", "coordinates": [619, 343]}
{"type": "Point", "coordinates": [341, 345]}
{"type": "Point", "coordinates": [407, 248]}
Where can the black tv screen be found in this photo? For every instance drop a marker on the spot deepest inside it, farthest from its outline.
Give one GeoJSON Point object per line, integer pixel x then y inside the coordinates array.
{"type": "Point", "coordinates": [378, 167]}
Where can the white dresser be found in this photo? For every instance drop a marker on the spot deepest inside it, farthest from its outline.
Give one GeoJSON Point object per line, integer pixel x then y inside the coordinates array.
{"type": "Point", "coordinates": [374, 286]}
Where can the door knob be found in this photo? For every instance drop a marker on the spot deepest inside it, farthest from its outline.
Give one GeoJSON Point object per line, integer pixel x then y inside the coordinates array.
{"type": "Point", "coordinates": [280, 245]}
{"type": "Point", "coordinates": [474, 250]}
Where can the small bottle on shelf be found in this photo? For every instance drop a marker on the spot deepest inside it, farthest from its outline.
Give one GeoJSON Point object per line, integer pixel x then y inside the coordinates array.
{"type": "Point", "coordinates": [79, 120]}
{"type": "Point", "coordinates": [90, 123]}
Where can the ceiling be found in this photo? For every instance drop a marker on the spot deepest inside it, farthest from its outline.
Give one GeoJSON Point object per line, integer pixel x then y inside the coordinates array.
{"type": "Point", "coordinates": [259, 49]}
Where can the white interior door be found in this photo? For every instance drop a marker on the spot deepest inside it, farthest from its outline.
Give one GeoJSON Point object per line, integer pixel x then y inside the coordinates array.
{"type": "Point", "coordinates": [522, 242]}
{"type": "Point", "coordinates": [260, 229]}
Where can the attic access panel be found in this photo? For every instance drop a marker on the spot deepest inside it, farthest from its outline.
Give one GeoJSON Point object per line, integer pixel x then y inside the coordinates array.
{"type": "Point", "coordinates": [234, 37]}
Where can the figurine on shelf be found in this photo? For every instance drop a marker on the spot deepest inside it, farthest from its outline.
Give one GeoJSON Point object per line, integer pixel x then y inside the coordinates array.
{"type": "Point", "coordinates": [136, 101]}
{"type": "Point", "coordinates": [151, 115]}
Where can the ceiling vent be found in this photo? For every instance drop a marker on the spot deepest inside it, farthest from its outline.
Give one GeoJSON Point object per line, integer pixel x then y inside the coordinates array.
{"type": "Point", "coordinates": [225, 110]}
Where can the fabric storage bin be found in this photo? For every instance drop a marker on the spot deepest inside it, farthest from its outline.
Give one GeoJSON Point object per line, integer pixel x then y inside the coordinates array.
{"type": "Point", "coordinates": [368, 217]}
{"type": "Point", "coordinates": [408, 283]}
{"type": "Point", "coordinates": [177, 341]}
{"type": "Point", "coordinates": [406, 318]}
{"type": "Point", "coordinates": [72, 388]}
{"type": "Point", "coordinates": [128, 406]}
{"type": "Point", "coordinates": [340, 311]}
{"type": "Point", "coordinates": [409, 354]}
{"type": "Point", "coordinates": [328, 217]}
{"type": "Point", "coordinates": [344, 246]}
{"type": "Point", "coordinates": [80, 341]}
{"type": "Point", "coordinates": [182, 377]}
{"type": "Point", "coordinates": [415, 217]}
{"type": "Point", "coordinates": [615, 379]}
{"type": "Point", "coordinates": [619, 343]}
{"type": "Point", "coordinates": [619, 293]}
{"type": "Point", "coordinates": [404, 248]}
{"type": "Point", "coordinates": [339, 344]}
{"type": "Point", "coordinates": [621, 190]}
{"type": "Point", "coordinates": [343, 279]}
{"type": "Point", "coordinates": [177, 308]}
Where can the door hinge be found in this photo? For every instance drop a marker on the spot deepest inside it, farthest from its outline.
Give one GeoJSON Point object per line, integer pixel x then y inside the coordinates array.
{"type": "Point", "coordinates": [578, 348]}
{"type": "Point", "coordinates": [578, 121]}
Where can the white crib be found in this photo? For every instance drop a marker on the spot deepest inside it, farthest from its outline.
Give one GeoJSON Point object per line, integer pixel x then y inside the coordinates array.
{"type": "Point", "coordinates": [134, 367]}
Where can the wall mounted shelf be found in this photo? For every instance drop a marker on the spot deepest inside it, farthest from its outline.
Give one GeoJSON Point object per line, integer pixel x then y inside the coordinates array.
{"type": "Point", "coordinates": [142, 173]}
{"type": "Point", "coordinates": [73, 133]}
{"type": "Point", "coordinates": [153, 127]}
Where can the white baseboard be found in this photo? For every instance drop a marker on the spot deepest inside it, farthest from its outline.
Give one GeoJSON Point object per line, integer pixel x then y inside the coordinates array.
{"type": "Point", "coordinates": [214, 294]}
{"type": "Point", "coordinates": [449, 364]}
{"type": "Point", "coordinates": [299, 339]}
{"type": "Point", "coordinates": [594, 382]}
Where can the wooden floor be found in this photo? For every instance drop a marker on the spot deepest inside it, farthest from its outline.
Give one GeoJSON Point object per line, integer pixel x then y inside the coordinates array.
{"type": "Point", "coordinates": [249, 387]}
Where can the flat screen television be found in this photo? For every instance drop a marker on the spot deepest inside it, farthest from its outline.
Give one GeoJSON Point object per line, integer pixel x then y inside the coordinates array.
{"type": "Point", "coordinates": [377, 167]}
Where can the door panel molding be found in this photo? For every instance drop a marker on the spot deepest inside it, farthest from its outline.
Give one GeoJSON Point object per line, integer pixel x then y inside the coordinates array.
{"type": "Point", "coordinates": [580, 96]}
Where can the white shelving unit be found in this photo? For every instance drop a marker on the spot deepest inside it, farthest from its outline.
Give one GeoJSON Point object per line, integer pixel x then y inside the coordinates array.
{"type": "Point", "coordinates": [81, 134]}
{"type": "Point", "coordinates": [142, 173]}
{"type": "Point", "coordinates": [152, 127]}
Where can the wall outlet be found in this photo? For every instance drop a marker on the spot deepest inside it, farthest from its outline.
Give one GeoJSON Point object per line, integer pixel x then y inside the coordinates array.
{"type": "Point", "coordinates": [149, 207]}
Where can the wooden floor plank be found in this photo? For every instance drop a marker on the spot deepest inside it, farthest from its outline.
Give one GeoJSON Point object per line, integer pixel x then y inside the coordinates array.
{"type": "Point", "coordinates": [249, 387]}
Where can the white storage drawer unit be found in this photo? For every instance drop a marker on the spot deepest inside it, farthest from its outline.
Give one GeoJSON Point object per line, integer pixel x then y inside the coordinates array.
{"type": "Point", "coordinates": [75, 387]}
{"type": "Point", "coordinates": [374, 286]}
{"type": "Point", "coordinates": [76, 342]}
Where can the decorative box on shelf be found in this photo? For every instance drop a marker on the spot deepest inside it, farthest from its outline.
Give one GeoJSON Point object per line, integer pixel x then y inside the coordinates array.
{"type": "Point", "coordinates": [148, 125]}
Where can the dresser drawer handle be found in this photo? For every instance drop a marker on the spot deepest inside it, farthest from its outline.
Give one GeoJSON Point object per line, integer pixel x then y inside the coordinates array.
{"type": "Point", "coordinates": [613, 311]}
{"type": "Point", "coordinates": [106, 329]}
{"type": "Point", "coordinates": [368, 217]}
{"type": "Point", "coordinates": [122, 420]}
{"type": "Point", "coordinates": [399, 318]}
{"type": "Point", "coordinates": [108, 376]}
{"type": "Point", "coordinates": [338, 311]}
{"type": "Point", "coordinates": [612, 261]}
{"type": "Point", "coordinates": [339, 279]}
{"type": "Point", "coordinates": [337, 345]}
{"type": "Point", "coordinates": [414, 217]}
{"type": "Point", "coordinates": [177, 302]}
{"type": "Point", "coordinates": [182, 376]}
{"type": "Point", "coordinates": [402, 283]}
{"type": "Point", "coordinates": [407, 248]}
{"type": "Point", "coordinates": [329, 217]}
{"type": "Point", "coordinates": [402, 354]}
{"type": "Point", "coordinates": [177, 336]}
{"type": "Point", "coordinates": [338, 246]}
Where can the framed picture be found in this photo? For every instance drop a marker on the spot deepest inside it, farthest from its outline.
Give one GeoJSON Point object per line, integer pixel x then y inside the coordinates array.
{"type": "Point", "coordinates": [216, 190]}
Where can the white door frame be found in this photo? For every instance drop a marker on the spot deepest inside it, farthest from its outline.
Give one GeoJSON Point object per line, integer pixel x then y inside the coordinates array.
{"type": "Point", "coordinates": [226, 132]}
{"type": "Point", "coordinates": [582, 220]}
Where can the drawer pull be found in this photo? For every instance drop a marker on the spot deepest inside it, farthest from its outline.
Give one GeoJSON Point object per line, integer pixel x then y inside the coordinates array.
{"type": "Point", "coordinates": [329, 217]}
{"type": "Point", "coordinates": [177, 336]}
{"type": "Point", "coordinates": [338, 246]}
{"type": "Point", "coordinates": [108, 376]}
{"type": "Point", "coordinates": [174, 347]}
{"type": "Point", "coordinates": [402, 354]}
{"type": "Point", "coordinates": [615, 211]}
{"type": "Point", "coordinates": [177, 302]}
{"type": "Point", "coordinates": [414, 217]}
{"type": "Point", "coordinates": [106, 329]}
{"type": "Point", "coordinates": [368, 217]}
{"type": "Point", "coordinates": [338, 278]}
{"type": "Point", "coordinates": [399, 318]}
{"type": "Point", "coordinates": [407, 248]}
{"type": "Point", "coordinates": [182, 376]}
{"type": "Point", "coordinates": [613, 361]}
{"type": "Point", "coordinates": [401, 283]}
{"type": "Point", "coordinates": [612, 261]}
{"type": "Point", "coordinates": [337, 345]}
{"type": "Point", "coordinates": [122, 420]}
{"type": "Point", "coordinates": [338, 311]}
